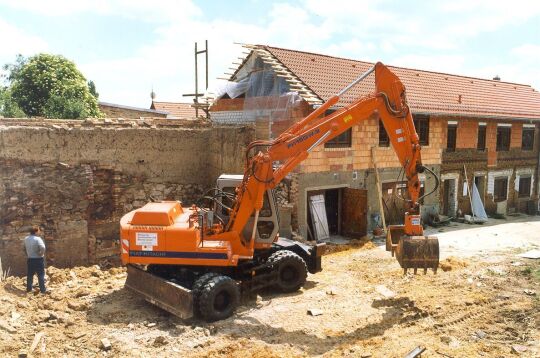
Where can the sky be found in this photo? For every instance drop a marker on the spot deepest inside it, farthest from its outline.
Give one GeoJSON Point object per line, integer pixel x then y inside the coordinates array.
{"type": "Point", "coordinates": [129, 47]}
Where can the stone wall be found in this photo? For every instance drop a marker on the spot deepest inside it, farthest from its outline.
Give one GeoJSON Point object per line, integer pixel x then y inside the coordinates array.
{"type": "Point", "coordinates": [77, 178]}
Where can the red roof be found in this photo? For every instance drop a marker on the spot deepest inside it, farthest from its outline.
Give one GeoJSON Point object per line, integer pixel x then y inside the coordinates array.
{"type": "Point", "coordinates": [427, 92]}
{"type": "Point", "coordinates": [176, 109]}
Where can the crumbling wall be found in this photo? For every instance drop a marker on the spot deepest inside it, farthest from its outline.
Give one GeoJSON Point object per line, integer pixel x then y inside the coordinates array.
{"type": "Point", "coordinates": [50, 195]}
{"type": "Point", "coordinates": [77, 178]}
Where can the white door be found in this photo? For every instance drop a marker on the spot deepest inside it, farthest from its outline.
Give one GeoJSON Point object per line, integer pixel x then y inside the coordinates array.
{"type": "Point", "coordinates": [318, 215]}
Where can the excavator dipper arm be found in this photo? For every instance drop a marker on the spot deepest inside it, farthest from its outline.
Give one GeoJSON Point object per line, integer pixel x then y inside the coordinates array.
{"type": "Point", "coordinates": [266, 169]}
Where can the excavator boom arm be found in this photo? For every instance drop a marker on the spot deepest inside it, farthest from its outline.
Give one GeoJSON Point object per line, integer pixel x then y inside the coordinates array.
{"type": "Point", "coordinates": [294, 145]}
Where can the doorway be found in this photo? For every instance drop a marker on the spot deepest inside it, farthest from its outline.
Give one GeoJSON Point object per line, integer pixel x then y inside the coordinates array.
{"type": "Point", "coordinates": [336, 211]}
{"type": "Point", "coordinates": [480, 182]}
{"type": "Point", "coordinates": [333, 210]}
{"type": "Point", "coordinates": [449, 197]}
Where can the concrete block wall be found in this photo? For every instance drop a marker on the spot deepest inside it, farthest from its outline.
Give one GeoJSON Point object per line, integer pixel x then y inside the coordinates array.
{"type": "Point", "coordinates": [77, 178]}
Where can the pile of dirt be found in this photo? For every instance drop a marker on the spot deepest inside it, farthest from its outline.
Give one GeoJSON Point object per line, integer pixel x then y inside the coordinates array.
{"type": "Point", "coordinates": [364, 243]}
{"type": "Point", "coordinates": [452, 263]}
{"type": "Point", "coordinates": [458, 313]}
{"type": "Point", "coordinates": [72, 293]}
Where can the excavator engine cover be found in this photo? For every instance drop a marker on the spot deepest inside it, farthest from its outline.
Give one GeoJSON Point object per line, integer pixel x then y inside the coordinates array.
{"type": "Point", "coordinates": [418, 252]}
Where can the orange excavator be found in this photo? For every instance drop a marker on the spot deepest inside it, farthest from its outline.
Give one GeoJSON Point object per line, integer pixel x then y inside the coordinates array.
{"type": "Point", "coordinates": [199, 260]}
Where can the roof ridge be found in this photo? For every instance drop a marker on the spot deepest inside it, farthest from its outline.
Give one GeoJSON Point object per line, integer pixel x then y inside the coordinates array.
{"type": "Point", "coordinates": [172, 102]}
{"type": "Point", "coordinates": [267, 47]}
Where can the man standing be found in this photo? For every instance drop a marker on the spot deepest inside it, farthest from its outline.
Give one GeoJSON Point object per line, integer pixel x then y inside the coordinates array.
{"type": "Point", "coordinates": [35, 251]}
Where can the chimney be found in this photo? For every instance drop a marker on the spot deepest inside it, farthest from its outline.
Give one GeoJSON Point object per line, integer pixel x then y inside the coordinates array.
{"type": "Point", "coordinates": [496, 78]}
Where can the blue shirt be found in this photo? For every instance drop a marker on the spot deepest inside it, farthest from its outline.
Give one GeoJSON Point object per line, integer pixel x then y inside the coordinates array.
{"type": "Point", "coordinates": [35, 247]}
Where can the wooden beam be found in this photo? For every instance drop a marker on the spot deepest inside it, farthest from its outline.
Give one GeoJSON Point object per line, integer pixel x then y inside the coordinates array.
{"type": "Point", "coordinates": [379, 188]}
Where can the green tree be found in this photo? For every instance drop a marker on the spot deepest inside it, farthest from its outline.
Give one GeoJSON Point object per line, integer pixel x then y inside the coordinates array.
{"type": "Point", "coordinates": [8, 107]}
{"type": "Point", "coordinates": [92, 89]}
{"type": "Point", "coordinates": [65, 107]}
{"type": "Point", "coordinates": [41, 85]}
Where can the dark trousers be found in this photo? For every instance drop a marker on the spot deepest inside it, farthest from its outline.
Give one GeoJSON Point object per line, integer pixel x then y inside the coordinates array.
{"type": "Point", "coordinates": [36, 266]}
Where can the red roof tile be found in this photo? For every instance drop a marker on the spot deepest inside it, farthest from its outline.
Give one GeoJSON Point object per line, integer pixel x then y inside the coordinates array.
{"type": "Point", "coordinates": [428, 92]}
{"type": "Point", "coordinates": [176, 109]}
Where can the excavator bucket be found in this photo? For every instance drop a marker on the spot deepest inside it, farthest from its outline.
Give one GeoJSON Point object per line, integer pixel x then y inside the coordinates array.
{"type": "Point", "coordinates": [165, 294]}
{"type": "Point", "coordinates": [418, 252]}
{"type": "Point", "coordinates": [413, 252]}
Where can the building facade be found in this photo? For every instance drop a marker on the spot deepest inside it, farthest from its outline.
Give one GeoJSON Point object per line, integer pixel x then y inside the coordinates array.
{"type": "Point", "coordinates": [486, 127]}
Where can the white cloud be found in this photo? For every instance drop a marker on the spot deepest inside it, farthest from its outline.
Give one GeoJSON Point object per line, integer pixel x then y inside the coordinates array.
{"type": "Point", "coordinates": [471, 18]}
{"type": "Point", "coordinates": [143, 10]}
{"type": "Point", "coordinates": [15, 41]}
{"type": "Point", "coordinates": [528, 52]}
{"type": "Point", "coordinates": [438, 63]}
{"type": "Point", "coordinates": [522, 66]}
{"type": "Point", "coordinates": [430, 37]}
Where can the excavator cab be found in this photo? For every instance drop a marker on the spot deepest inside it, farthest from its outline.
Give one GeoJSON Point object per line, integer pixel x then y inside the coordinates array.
{"type": "Point", "coordinates": [268, 220]}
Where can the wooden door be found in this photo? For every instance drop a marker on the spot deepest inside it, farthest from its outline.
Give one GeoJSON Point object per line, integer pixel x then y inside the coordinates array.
{"type": "Point", "coordinates": [354, 212]}
{"type": "Point", "coordinates": [318, 217]}
{"type": "Point", "coordinates": [394, 205]}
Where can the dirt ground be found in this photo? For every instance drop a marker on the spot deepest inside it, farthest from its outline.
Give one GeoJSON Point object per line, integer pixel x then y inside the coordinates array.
{"type": "Point", "coordinates": [486, 304]}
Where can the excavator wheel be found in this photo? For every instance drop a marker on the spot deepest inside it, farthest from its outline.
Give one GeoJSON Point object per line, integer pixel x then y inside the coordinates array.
{"type": "Point", "coordinates": [196, 289]}
{"type": "Point", "coordinates": [291, 270]}
{"type": "Point", "coordinates": [218, 298]}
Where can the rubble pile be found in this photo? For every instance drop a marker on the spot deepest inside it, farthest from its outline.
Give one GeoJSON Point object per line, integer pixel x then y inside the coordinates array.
{"type": "Point", "coordinates": [72, 292]}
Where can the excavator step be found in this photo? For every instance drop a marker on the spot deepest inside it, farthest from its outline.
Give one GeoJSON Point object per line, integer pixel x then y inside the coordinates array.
{"type": "Point", "coordinates": [165, 294]}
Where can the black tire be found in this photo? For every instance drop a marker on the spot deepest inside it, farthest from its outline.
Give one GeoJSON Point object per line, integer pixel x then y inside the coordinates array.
{"type": "Point", "coordinates": [291, 270]}
{"type": "Point", "coordinates": [218, 298]}
{"type": "Point", "coordinates": [196, 289]}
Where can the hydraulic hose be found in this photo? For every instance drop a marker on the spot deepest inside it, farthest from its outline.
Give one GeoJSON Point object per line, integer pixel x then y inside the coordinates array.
{"type": "Point", "coordinates": [437, 182]}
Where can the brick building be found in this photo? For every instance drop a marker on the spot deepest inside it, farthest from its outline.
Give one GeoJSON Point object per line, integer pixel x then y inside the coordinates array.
{"type": "Point", "coordinates": [112, 110]}
{"type": "Point", "coordinates": [488, 125]}
{"type": "Point", "coordinates": [170, 110]}
{"type": "Point", "coordinates": [176, 110]}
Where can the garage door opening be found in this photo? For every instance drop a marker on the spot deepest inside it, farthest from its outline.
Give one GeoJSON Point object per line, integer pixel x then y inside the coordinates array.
{"type": "Point", "coordinates": [336, 212]}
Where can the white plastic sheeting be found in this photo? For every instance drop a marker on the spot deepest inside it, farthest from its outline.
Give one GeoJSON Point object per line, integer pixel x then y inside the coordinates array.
{"type": "Point", "coordinates": [267, 98]}
{"type": "Point", "coordinates": [477, 207]}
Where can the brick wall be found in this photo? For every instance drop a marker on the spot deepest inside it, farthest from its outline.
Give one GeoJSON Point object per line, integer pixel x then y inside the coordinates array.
{"type": "Point", "coordinates": [489, 160]}
{"type": "Point", "coordinates": [364, 136]}
{"type": "Point", "coordinates": [467, 134]}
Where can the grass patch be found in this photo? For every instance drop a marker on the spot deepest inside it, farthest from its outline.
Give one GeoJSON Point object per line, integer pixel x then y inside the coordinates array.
{"type": "Point", "coordinates": [536, 274]}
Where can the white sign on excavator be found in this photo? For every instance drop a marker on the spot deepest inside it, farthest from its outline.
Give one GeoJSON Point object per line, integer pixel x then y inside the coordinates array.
{"type": "Point", "coordinates": [146, 238]}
